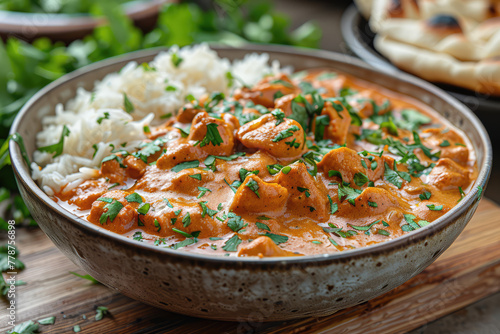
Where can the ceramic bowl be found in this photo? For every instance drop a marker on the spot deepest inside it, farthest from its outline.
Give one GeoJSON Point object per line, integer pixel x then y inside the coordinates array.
{"type": "Point", "coordinates": [247, 289]}
{"type": "Point", "coordinates": [69, 27]}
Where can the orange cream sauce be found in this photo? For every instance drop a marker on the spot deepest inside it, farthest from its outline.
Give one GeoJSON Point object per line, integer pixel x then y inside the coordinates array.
{"type": "Point", "coordinates": [239, 179]}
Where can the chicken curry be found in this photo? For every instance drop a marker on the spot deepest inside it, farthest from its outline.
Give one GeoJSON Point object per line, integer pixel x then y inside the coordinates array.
{"type": "Point", "coordinates": [315, 162]}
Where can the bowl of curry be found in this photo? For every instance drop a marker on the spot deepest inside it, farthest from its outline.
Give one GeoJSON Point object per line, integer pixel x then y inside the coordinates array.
{"type": "Point", "coordinates": [318, 187]}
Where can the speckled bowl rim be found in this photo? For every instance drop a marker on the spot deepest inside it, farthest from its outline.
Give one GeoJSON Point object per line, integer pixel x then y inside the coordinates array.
{"type": "Point", "coordinates": [24, 176]}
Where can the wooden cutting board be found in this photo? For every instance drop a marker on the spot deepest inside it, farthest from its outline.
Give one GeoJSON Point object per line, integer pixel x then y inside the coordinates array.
{"type": "Point", "coordinates": [468, 271]}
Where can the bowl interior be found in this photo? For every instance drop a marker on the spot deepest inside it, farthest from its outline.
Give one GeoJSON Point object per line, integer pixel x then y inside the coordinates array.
{"type": "Point", "coordinates": [28, 122]}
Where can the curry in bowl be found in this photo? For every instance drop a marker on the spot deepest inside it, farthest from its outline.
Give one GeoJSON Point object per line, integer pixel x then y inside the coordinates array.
{"type": "Point", "coordinates": [256, 161]}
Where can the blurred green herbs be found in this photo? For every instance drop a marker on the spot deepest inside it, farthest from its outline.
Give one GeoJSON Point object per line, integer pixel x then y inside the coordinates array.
{"type": "Point", "coordinates": [26, 68]}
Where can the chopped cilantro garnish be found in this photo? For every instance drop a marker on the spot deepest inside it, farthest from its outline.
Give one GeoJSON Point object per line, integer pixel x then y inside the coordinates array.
{"type": "Point", "coordinates": [262, 226]}
{"type": "Point", "coordinates": [235, 222]}
{"type": "Point", "coordinates": [184, 243]}
{"type": "Point", "coordinates": [462, 194]}
{"type": "Point", "coordinates": [58, 147]}
{"type": "Point", "coordinates": [372, 204]}
{"type": "Point", "coordinates": [279, 115]}
{"type": "Point", "coordinates": [150, 148]}
{"type": "Point", "coordinates": [360, 179]}
{"type": "Point", "coordinates": [112, 210]}
{"type": "Point", "coordinates": [364, 228]}
{"type": "Point", "coordinates": [434, 207]}
{"type": "Point", "coordinates": [134, 197]}
{"type": "Point", "coordinates": [445, 143]}
{"type": "Point", "coordinates": [196, 176]}
{"type": "Point", "coordinates": [186, 221]}
{"type": "Point", "coordinates": [212, 136]}
{"type": "Point", "coordinates": [425, 195]}
{"type": "Point", "coordinates": [157, 225]}
{"type": "Point", "coordinates": [203, 191]}
{"type": "Point", "coordinates": [254, 186]}
{"type": "Point", "coordinates": [333, 206]}
{"type": "Point", "coordinates": [383, 232]}
{"type": "Point", "coordinates": [231, 245]}
{"type": "Point", "coordinates": [394, 176]}
{"type": "Point", "coordinates": [278, 239]}
{"type": "Point", "coordinates": [322, 122]}
{"type": "Point", "coordinates": [143, 209]}
{"type": "Point", "coordinates": [105, 116]}
{"type": "Point", "coordinates": [307, 192]}
{"type": "Point", "coordinates": [186, 165]}
{"type": "Point", "coordinates": [286, 133]}
{"type": "Point", "coordinates": [176, 60]}
{"type": "Point", "coordinates": [127, 104]}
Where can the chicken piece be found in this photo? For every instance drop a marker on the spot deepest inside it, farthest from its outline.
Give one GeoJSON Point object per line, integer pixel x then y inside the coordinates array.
{"type": "Point", "coordinates": [135, 167]}
{"type": "Point", "coordinates": [382, 202]}
{"type": "Point", "coordinates": [115, 211]}
{"type": "Point", "coordinates": [263, 247]}
{"type": "Point", "coordinates": [200, 131]}
{"type": "Point", "coordinates": [187, 113]}
{"type": "Point", "coordinates": [285, 140]}
{"type": "Point", "coordinates": [338, 124]}
{"type": "Point", "coordinates": [85, 194]}
{"type": "Point", "coordinates": [114, 170]}
{"type": "Point", "coordinates": [265, 91]}
{"type": "Point", "coordinates": [307, 198]}
{"type": "Point", "coordinates": [446, 143]}
{"type": "Point", "coordinates": [348, 163]}
{"type": "Point", "coordinates": [258, 197]}
{"type": "Point", "coordinates": [447, 174]}
{"type": "Point", "coordinates": [183, 182]}
{"type": "Point", "coordinates": [200, 143]}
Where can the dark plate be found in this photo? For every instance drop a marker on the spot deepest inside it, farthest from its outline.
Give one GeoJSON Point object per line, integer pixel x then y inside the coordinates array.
{"type": "Point", "coordinates": [359, 38]}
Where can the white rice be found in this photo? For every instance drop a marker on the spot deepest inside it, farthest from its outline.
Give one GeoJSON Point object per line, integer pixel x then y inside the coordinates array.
{"type": "Point", "coordinates": [201, 71]}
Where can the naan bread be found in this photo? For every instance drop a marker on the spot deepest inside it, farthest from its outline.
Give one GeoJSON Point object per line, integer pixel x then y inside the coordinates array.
{"type": "Point", "coordinates": [450, 41]}
{"type": "Point", "coordinates": [482, 76]}
{"type": "Point", "coordinates": [444, 34]}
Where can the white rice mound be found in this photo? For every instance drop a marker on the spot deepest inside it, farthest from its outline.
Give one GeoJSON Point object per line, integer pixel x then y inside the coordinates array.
{"type": "Point", "coordinates": [201, 72]}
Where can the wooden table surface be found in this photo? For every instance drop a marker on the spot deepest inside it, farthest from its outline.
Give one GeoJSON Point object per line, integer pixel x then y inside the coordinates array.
{"type": "Point", "coordinates": [468, 271]}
